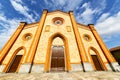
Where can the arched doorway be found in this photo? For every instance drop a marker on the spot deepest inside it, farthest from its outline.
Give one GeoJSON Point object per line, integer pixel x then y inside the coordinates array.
{"type": "Point", "coordinates": [97, 63]}
{"type": "Point", "coordinates": [15, 60]}
{"type": "Point", "coordinates": [96, 60]}
{"type": "Point", "coordinates": [57, 55]}
{"type": "Point", "coordinates": [64, 40]}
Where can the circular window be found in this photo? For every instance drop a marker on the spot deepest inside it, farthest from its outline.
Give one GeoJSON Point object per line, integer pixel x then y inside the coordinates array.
{"type": "Point", "coordinates": [27, 36]}
{"type": "Point", "coordinates": [58, 20]}
{"type": "Point", "coordinates": [87, 37]}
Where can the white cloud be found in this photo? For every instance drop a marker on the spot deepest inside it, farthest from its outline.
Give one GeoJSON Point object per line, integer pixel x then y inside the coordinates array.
{"type": "Point", "coordinates": [8, 27]}
{"type": "Point", "coordinates": [109, 26]}
{"type": "Point", "coordinates": [59, 2]}
{"type": "Point", "coordinates": [46, 2]}
{"type": "Point", "coordinates": [62, 2]}
{"type": "Point", "coordinates": [90, 10]}
{"type": "Point", "coordinates": [9, 22]}
{"type": "Point", "coordinates": [87, 15]}
{"type": "Point", "coordinates": [116, 6]}
{"type": "Point", "coordinates": [72, 4]}
{"type": "Point", "coordinates": [101, 5]}
{"type": "Point", "coordinates": [65, 5]}
{"type": "Point", "coordinates": [103, 17]}
{"type": "Point", "coordinates": [33, 2]}
{"type": "Point", "coordinates": [22, 9]}
{"type": "Point", "coordinates": [0, 6]}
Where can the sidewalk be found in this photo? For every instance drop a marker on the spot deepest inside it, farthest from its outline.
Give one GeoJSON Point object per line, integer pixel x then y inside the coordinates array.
{"type": "Point", "coordinates": [62, 76]}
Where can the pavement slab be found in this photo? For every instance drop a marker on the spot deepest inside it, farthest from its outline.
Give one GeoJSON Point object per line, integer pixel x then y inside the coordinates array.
{"type": "Point", "coordinates": [101, 75]}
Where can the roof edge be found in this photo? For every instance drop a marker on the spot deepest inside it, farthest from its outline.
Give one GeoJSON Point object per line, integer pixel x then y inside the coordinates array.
{"type": "Point", "coordinates": [58, 11]}
{"type": "Point", "coordinates": [115, 48]}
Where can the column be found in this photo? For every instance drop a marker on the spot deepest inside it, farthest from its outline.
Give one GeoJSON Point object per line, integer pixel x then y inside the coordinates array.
{"type": "Point", "coordinates": [9, 44]}
{"type": "Point", "coordinates": [26, 67]}
{"type": "Point", "coordinates": [105, 50]}
{"type": "Point", "coordinates": [85, 62]}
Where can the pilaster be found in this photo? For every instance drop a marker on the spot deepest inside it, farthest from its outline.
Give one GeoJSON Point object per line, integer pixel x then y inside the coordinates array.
{"type": "Point", "coordinates": [11, 41]}
{"type": "Point", "coordinates": [111, 61]}
{"type": "Point", "coordinates": [79, 42]}
{"type": "Point", "coordinates": [78, 39]}
{"type": "Point", "coordinates": [33, 46]}
{"type": "Point", "coordinates": [101, 44]}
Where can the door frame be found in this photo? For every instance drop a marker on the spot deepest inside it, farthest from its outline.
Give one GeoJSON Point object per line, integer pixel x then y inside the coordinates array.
{"type": "Point", "coordinates": [12, 61]}
{"type": "Point", "coordinates": [51, 56]}
{"type": "Point", "coordinates": [7, 67]}
{"type": "Point", "coordinates": [98, 61]}
{"type": "Point", "coordinates": [99, 58]}
{"type": "Point", "coordinates": [66, 49]}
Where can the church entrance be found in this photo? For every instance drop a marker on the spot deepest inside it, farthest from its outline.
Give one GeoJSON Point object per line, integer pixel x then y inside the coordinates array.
{"type": "Point", "coordinates": [15, 63]}
{"type": "Point", "coordinates": [97, 63]}
{"type": "Point", "coordinates": [57, 58]}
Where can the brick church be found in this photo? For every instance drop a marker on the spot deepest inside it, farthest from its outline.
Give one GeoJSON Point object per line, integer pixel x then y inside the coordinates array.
{"type": "Point", "coordinates": [56, 43]}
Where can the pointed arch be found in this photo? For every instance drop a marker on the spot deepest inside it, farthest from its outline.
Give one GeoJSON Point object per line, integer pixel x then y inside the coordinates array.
{"type": "Point", "coordinates": [58, 41]}
{"type": "Point", "coordinates": [7, 68]}
{"type": "Point", "coordinates": [50, 40]}
{"type": "Point", "coordinates": [99, 57]}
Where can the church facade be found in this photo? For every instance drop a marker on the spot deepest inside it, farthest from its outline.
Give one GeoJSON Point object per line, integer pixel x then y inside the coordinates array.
{"type": "Point", "coordinates": [56, 43]}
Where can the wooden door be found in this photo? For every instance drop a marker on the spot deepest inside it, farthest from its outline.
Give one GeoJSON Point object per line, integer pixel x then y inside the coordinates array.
{"type": "Point", "coordinates": [96, 62]}
{"type": "Point", "coordinates": [15, 63]}
{"type": "Point", "coordinates": [57, 58]}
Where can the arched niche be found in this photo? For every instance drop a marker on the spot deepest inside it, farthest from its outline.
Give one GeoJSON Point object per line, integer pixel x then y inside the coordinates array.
{"type": "Point", "coordinates": [58, 41]}
{"type": "Point", "coordinates": [16, 60]}
{"type": "Point", "coordinates": [96, 59]}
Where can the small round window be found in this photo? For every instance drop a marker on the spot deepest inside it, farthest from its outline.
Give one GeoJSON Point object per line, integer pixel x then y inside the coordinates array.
{"type": "Point", "coordinates": [58, 20]}
{"type": "Point", "coordinates": [27, 36]}
{"type": "Point", "coordinates": [87, 37]}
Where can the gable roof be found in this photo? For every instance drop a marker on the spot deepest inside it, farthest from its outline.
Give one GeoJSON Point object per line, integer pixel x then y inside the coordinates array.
{"type": "Point", "coordinates": [58, 11]}
{"type": "Point", "coordinates": [115, 48]}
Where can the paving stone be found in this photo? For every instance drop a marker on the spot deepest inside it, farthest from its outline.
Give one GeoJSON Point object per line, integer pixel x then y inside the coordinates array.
{"type": "Point", "coordinates": [62, 76]}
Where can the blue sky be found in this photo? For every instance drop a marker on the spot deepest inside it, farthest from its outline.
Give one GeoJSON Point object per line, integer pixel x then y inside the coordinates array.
{"type": "Point", "coordinates": [104, 14]}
